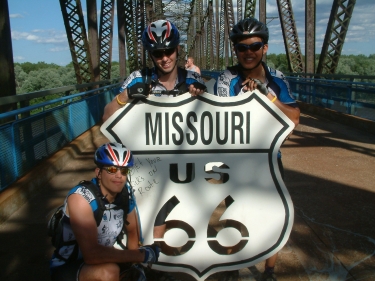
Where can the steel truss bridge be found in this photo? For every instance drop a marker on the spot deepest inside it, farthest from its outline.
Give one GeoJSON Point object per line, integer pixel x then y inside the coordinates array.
{"type": "Point", "coordinates": [204, 26]}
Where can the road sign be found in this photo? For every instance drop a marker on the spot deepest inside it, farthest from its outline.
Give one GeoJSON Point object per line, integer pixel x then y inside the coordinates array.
{"type": "Point", "coordinates": [206, 171]}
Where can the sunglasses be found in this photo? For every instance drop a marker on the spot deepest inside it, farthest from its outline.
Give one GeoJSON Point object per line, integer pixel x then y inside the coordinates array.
{"type": "Point", "coordinates": [161, 53]}
{"type": "Point", "coordinates": [253, 47]}
{"type": "Point", "coordinates": [113, 170]}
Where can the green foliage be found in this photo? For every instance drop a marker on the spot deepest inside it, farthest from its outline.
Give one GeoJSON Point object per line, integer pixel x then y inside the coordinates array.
{"type": "Point", "coordinates": [41, 76]}
{"type": "Point", "coordinates": [32, 77]}
{"type": "Point", "coordinates": [27, 67]}
{"type": "Point", "coordinates": [360, 65]}
{"type": "Point", "coordinates": [279, 62]}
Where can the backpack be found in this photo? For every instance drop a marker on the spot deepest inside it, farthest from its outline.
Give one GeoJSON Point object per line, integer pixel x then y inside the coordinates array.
{"type": "Point", "coordinates": [55, 224]}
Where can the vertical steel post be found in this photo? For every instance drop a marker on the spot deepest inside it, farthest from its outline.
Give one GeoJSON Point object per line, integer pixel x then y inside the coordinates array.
{"type": "Point", "coordinates": [310, 17]}
{"type": "Point", "coordinates": [7, 77]}
{"type": "Point", "coordinates": [92, 24]}
{"type": "Point", "coordinates": [121, 37]}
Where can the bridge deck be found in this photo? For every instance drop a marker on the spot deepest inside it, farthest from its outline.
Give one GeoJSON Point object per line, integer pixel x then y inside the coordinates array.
{"type": "Point", "coordinates": [329, 174]}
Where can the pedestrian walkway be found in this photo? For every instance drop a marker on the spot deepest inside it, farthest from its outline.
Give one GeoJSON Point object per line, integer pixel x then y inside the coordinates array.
{"type": "Point", "coordinates": [329, 172]}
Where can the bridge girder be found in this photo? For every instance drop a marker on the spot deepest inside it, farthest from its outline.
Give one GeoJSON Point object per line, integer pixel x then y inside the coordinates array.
{"type": "Point", "coordinates": [334, 39]}
{"type": "Point", "coordinates": [77, 39]}
{"type": "Point", "coordinates": [204, 26]}
{"type": "Point", "coordinates": [291, 42]}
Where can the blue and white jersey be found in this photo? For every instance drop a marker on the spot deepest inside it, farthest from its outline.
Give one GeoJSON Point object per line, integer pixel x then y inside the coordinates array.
{"type": "Point", "coordinates": [229, 84]}
{"type": "Point", "coordinates": [189, 77]}
{"type": "Point", "coordinates": [109, 228]}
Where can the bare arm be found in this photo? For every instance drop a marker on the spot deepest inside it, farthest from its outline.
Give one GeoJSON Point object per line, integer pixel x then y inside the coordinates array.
{"type": "Point", "coordinates": [133, 230]}
{"type": "Point", "coordinates": [113, 106]}
{"type": "Point", "coordinates": [293, 113]}
{"type": "Point", "coordinates": [198, 70]}
{"type": "Point", "coordinates": [85, 230]}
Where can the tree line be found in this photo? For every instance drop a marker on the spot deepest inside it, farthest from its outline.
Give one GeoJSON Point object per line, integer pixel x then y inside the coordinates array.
{"type": "Point", "coordinates": [32, 77]}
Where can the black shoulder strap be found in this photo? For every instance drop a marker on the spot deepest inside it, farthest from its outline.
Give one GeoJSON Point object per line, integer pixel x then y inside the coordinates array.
{"type": "Point", "coordinates": [147, 75]}
{"type": "Point", "coordinates": [181, 86]}
{"type": "Point", "coordinates": [124, 199]}
{"type": "Point", "coordinates": [95, 190]}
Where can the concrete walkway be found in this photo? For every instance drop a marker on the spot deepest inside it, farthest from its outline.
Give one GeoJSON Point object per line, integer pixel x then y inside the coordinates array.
{"type": "Point", "coordinates": [329, 172]}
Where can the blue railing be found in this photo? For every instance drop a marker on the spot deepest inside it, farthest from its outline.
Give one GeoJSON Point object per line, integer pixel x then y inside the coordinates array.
{"type": "Point", "coordinates": [355, 98]}
{"type": "Point", "coordinates": [26, 141]}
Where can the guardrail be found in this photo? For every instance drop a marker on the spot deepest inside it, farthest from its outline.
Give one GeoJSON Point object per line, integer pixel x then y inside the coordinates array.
{"type": "Point", "coordinates": [29, 138]}
{"type": "Point", "coordinates": [350, 97]}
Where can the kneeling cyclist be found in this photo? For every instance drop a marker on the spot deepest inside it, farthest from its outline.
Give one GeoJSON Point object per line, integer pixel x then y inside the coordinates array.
{"type": "Point", "coordinates": [86, 250]}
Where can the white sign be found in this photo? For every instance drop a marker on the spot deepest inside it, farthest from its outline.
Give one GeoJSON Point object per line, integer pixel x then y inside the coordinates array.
{"type": "Point", "coordinates": [207, 167]}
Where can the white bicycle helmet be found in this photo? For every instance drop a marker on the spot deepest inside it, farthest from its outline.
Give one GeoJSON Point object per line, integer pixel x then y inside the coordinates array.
{"type": "Point", "coordinates": [160, 34]}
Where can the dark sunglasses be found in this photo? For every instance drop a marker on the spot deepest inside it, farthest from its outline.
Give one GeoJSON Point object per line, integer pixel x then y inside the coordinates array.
{"type": "Point", "coordinates": [161, 53]}
{"type": "Point", "coordinates": [253, 47]}
{"type": "Point", "coordinates": [113, 170]}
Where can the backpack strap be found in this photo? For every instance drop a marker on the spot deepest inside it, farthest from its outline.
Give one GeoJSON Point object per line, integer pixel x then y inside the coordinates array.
{"type": "Point", "coordinates": [181, 86]}
{"type": "Point", "coordinates": [94, 189]}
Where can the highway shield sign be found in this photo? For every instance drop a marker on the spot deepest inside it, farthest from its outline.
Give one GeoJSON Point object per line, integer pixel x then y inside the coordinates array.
{"type": "Point", "coordinates": [206, 178]}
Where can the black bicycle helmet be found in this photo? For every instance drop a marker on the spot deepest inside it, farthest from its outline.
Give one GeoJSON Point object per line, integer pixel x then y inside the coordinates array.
{"type": "Point", "coordinates": [249, 27]}
{"type": "Point", "coordinates": [160, 34]}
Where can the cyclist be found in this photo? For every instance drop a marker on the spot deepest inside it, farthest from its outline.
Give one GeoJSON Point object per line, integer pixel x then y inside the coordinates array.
{"type": "Point", "coordinates": [161, 39]}
{"type": "Point", "coordinates": [86, 250]}
{"type": "Point", "coordinates": [250, 39]}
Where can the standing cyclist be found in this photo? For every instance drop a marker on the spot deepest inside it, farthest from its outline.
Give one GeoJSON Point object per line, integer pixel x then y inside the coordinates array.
{"type": "Point", "coordinates": [86, 249]}
{"type": "Point", "coordinates": [250, 39]}
{"type": "Point", "coordinates": [161, 39]}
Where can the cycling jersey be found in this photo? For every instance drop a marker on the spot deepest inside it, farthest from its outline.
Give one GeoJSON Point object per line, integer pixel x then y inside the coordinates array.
{"type": "Point", "coordinates": [108, 229]}
{"type": "Point", "coordinates": [229, 83]}
{"type": "Point", "coordinates": [184, 78]}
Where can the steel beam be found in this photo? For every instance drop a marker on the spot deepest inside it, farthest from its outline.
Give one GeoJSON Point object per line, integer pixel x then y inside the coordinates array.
{"type": "Point", "coordinates": [78, 43]}
{"type": "Point", "coordinates": [334, 39]}
{"type": "Point", "coordinates": [7, 77]}
{"type": "Point", "coordinates": [106, 38]}
{"type": "Point", "coordinates": [131, 34]}
{"type": "Point", "coordinates": [250, 8]}
{"type": "Point", "coordinates": [291, 42]}
{"type": "Point", "coordinates": [121, 37]}
{"type": "Point", "coordinates": [92, 24]}
{"type": "Point", "coordinates": [310, 14]}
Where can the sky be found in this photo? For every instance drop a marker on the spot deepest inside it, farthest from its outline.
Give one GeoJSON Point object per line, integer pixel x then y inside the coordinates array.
{"type": "Point", "coordinates": [38, 32]}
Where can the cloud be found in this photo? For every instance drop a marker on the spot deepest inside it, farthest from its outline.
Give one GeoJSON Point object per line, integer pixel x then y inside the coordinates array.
{"type": "Point", "coordinates": [59, 49]}
{"type": "Point", "coordinates": [41, 36]}
{"type": "Point", "coordinates": [13, 16]}
{"type": "Point", "coordinates": [18, 58]}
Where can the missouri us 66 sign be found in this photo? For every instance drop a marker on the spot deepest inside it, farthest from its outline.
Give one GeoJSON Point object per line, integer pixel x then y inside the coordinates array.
{"type": "Point", "coordinates": [206, 174]}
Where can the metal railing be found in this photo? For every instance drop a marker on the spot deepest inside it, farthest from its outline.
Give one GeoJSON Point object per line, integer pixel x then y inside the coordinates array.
{"type": "Point", "coordinates": [37, 131]}
{"type": "Point", "coordinates": [345, 96]}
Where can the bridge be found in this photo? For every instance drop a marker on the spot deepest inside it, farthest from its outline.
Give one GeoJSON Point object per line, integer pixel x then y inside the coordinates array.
{"type": "Point", "coordinates": [329, 158]}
